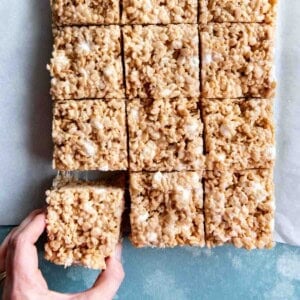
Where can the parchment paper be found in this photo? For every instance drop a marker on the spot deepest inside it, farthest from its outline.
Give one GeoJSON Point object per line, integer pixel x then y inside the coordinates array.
{"type": "Point", "coordinates": [25, 113]}
{"type": "Point", "coordinates": [287, 116]}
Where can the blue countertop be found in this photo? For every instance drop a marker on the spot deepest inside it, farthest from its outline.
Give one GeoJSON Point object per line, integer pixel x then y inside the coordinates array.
{"type": "Point", "coordinates": [192, 273]}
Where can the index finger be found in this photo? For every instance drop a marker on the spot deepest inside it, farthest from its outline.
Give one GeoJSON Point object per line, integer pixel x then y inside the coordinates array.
{"type": "Point", "coordinates": [22, 251]}
{"type": "Point", "coordinates": [32, 230]}
{"type": "Point", "coordinates": [12, 233]}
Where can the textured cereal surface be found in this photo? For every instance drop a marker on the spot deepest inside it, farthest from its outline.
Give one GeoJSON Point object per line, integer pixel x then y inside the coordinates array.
{"type": "Point", "coordinates": [159, 11]}
{"type": "Point", "coordinates": [237, 11]}
{"type": "Point", "coordinates": [86, 63]}
{"type": "Point", "coordinates": [166, 209]}
{"type": "Point", "coordinates": [161, 61]}
{"type": "Point", "coordinates": [89, 135]}
{"type": "Point", "coordinates": [165, 135]}
{"type": "Point", "coordinates": [239, 208]}
{"type": "Point", "coordinates": [83, 223]}
{"type": "Point", "coordinates": [237, 60]}
{"type": "Point", "coordinates": [85, 12]}
{"type": "Point", "coordinates": [239, 134]}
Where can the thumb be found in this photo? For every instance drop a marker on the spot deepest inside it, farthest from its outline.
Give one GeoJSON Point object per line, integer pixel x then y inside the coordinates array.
{"type": "Point", "coordinates": [109, 281]}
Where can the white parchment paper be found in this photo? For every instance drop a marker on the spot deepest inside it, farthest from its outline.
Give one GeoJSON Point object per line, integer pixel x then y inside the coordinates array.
{"type": "Point", "coordinates": [25, 113]}
{"type": "Point", "coordinates": [287, 115]}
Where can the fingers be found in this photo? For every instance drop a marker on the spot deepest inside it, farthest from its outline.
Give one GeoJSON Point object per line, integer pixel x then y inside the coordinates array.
{"type": "Point", "coordinates": [109, 281]}
{"type": "Point", "coordinates": [4, 245]}
{"type": "Point", "coordinates": [30, 217]}
{"type": "Point", "coordinates": [22, 251]}
{"type": "Point", "coordinates": [33, 229]}
{"type": "Point", "coordinates": [25, 222]}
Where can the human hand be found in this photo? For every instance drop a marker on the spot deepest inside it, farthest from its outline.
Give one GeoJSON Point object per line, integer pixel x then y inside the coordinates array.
{"type": "Point", "coordinates": [24, 280]}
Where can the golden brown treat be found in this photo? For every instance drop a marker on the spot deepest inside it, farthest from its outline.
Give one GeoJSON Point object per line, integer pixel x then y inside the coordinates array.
{"type": "Point", "coordinates": [166, 209]}
{"type": "Point", "coordinates": [86, 63]}
{"type": "Point", "coordinates": [89, 135]}
{"type": "Point", "coordinates": [237, 60]}
{"type": "Point", "coordinates": [83, 223]}
{"type": "Point", "coordinates": [239, 134]}
{"type": "Point", "coordinates": [165, 135]}
{"type": "Point", "coordinates": [239, 208]}
{"type": "Point", "coordinates": [161, 61]}
{"type": "Point", "coordinates": [159, 11]}
{"type": "Point", "coordinates": [263, 11]}
{"type": "Point", "coordinates": [85, 12]}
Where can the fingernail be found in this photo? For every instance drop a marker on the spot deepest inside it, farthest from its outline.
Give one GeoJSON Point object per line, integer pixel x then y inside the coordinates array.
{"type": "Point", "coordinates": [118, 252]}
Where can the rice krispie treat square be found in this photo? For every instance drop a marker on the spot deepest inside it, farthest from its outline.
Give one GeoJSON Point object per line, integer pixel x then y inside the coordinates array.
{"type": "Point", "coordinates": [161, 61]}
{"type": "Point", "coordinates": [237, 60]}
{"type": "Point", "coordinates": [159, 11]}
{"type": "Point", "coordinates": [239, 134]}
{"type": "Point", "coordinates": [165, 135]}
{"type": "Point", "coordinates": [239, 208]}
{"type": "Point", "coordinates": [89, 135]}
{"type": "Point", "coordinates": [86, 63]}
{"type": "Point", "coordinates": [262, 11]}
{"type": "Point", "coordinates": [83, 223]}
{"type": "Point", "coordinates": [85, 12]}
{"type": "Point", "coordinates": [166, 209]}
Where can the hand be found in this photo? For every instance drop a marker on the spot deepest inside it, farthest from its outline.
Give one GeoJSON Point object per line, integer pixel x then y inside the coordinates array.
{"type": "Point", "coordinates": [18, 257]}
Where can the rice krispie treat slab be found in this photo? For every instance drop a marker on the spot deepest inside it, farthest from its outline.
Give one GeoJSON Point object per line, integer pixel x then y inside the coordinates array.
{"type": "Point", "coordinates": [239, 134]}
{"type": "Point", "coordinates": [166, 209]}
{"type": "Point", "coordinates": [165, 135]}
{"type": "Point", "coordinates": [161, 61]}
{"type": "Point", "coordinates": [239, 208]}
{"type": "Point", "coordinates": [83, 223]}
{"type": "Point", "coordinates": [86, 63]}
{"type": "Point", "coordinates": [85, 12]}
{"type": "Point", "coordinates": [89, 135]}
{"type": "Point", "coordinates": [237, 60]}
{"type": "Point", "coordinates": [159, 11]}
{"type": "Point", "coordinates": [263, 11]}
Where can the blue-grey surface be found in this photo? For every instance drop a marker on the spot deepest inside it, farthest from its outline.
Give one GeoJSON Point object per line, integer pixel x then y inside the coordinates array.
{"type": "Point", "coordinates": [193, 273]}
